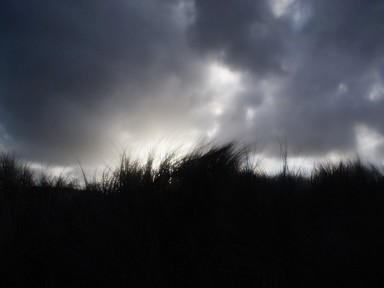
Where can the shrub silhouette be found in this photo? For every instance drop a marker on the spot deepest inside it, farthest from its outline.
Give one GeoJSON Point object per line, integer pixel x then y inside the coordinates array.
{"type": "Point", "coordinates": [13, 175]}
{"type": "Point", "coordinates": [201, 220]}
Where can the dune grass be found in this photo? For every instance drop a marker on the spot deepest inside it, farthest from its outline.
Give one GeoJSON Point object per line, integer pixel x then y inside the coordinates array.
{"type": "Point", "coordinates": [202, 220]}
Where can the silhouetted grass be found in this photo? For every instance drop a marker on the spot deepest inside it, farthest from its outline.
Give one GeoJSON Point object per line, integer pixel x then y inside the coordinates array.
{"type": "Point", "coordinates": [202, 220]}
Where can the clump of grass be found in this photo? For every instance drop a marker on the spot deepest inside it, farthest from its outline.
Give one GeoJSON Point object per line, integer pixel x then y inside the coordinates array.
{"type": "Point", "coordinates": [204, 219]}
{"type": "Point", "coordinates": [13, 175]}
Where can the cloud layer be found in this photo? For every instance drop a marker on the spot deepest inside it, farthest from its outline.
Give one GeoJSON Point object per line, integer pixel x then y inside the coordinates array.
{"type": "Point", "coordinates": [314, 68]}
{"type": "Point", "coordinates": [77, 74]}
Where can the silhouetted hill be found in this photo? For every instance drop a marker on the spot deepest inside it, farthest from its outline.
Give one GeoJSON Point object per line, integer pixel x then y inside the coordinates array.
{"type": "Point", "coordinates": [203, 220]}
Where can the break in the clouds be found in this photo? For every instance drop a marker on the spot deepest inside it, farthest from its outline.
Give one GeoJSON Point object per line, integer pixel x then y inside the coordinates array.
{"type": "Point", "coordinates": [76, 76]}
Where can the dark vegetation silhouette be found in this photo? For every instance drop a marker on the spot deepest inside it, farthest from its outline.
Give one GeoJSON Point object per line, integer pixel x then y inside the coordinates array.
{"type": "Point", "coordinates": [206, 219]}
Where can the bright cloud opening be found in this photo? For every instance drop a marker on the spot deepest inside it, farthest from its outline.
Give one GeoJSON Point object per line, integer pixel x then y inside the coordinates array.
{"type": "Point", "coordinates": [368, 141]}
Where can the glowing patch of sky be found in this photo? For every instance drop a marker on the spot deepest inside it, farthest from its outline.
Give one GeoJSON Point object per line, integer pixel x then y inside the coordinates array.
{"type": "Point", "coordinates": [223, 85]}
{"type": "Point", "coordinates": [280, 7]}
{"type": "Point", "coordinates": [52, 172]}
{"type": "Point", "coordinates": [273, 166]}
{"type": "Point", "coordinates": [376, 92]}
{"type": "Point", "coordinates": [220, 84]}
{"type": "Point", "coordinates": [298, 12]}
{"type": "Point", "coordinates": [368, 140]}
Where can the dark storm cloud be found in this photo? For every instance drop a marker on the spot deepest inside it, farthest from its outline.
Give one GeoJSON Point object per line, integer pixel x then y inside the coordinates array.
{"type": "Point", "coordinates": [323, 57]}
{"type": "Point", "coordinates": [244, 33]}
{"type": "Point", "coordinates": [75, 72]}
{"type": "Point", "coordinates": [67, 67]}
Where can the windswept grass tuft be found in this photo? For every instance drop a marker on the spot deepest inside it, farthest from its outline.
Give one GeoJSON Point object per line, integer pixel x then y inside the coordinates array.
{"type": "Point", "coordinates": [13, 175]}
{"type": "Point", "coordinates": [200, 220]}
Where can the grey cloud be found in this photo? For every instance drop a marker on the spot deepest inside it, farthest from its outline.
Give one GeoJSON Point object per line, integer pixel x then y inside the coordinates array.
{"type": "Point", "coordinates": [322, 68]}
{"type": "Point", "coordinates": [68, 67]}
{"type": "Point", "coordinates": [74, 72]}
{"type": "Point", "coordinates": [243, 33]}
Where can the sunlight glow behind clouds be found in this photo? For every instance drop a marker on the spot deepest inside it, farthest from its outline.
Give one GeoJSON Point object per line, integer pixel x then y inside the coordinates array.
{"type": "Point", "coordinates": [368, 141]}
{"type": "Point", "coordinates": [281, 7]}
{"type": "Point", "coordinates": [80, 78]}
{"type": "Point", "coordinates": [376, 91]}
{"type": "Point", "coordinates": [297, 11]}
{"type": "Point", "coordinates": [218, 87]}
{"type": "Point", "coordinates": [223, 84]}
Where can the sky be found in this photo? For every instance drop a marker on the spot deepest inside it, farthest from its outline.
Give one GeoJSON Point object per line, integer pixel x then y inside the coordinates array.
{"type": "Point", "coordinates": [86, 79]}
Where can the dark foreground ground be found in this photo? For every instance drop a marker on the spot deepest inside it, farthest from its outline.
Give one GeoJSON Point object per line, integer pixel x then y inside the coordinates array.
{"type": "Point", "coordinates": [201, 221]}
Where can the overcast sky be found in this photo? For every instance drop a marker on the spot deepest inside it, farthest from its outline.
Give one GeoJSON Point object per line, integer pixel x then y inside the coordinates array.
{"type": "Point", "coordinates": [79, 79]}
